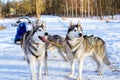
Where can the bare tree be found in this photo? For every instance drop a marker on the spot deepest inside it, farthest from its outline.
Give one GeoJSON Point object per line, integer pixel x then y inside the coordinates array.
{"type": "Point", "coordinates": [72, 8]}
{"type": "Point", "coordinates": [85, 7]}
{"type": "Point", "coordinates": [92, 7]}
{"type": "Point", "coordinates": [0, 8]}
{"type": "Point", "coordinates": [76, 7]}
{"type": "Point", "coordinates": [82, 8]}
{"type": "Point", "coordinates": [100, 9]}
{"type": "Point", "coordinates": [96, 4]}
{"type": "Point", "coordinates": [116, 5]}
{"type": "Point", "coordinates": [38, 8]}
{"type": "Point", "coordinates": [67, 8]}
{"type": "Point", "coordinates": [89, 8]}
{"type": "Point", "coordinates": [113, 8]}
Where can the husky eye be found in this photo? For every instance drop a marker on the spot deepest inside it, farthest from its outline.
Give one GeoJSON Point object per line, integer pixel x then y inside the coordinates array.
{"type": "Point", "coordinates": [40, 30]}
{"type": "Point", "coordinates": [75, 30]}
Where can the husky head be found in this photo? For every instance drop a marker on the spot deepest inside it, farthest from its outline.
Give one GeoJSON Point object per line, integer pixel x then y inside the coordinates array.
{"type": "Point", "coordinates": [39, 32]}
{"type": "Point", "coordinates": [56, 39]}
{"type": "Point", "coordinates": [74, 31]}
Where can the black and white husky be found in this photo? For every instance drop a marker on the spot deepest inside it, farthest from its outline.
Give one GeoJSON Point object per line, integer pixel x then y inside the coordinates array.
{"type": "Point", "coordinates": [34, 47]}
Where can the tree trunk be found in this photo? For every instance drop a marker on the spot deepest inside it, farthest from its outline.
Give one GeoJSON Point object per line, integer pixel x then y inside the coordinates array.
{"type": "Point", "coordinates": [66, 8]}
{"type": "Point", "coordinates": [82, 8]}
{"type": "Point", "coordinates": [85, 8]}
{"type": "Point", "coordinates": [116, 8]}
{"type": "Point", "coordinates": [113, 9]}
{"type": "Point", "coordinates": [100, 9]}
{"type": "Point", "coordinates": [92, 7]}
{"type": "Point", "coordinates": [72, 8]}
{"type": "Point", "coordinates": [89, 8]}
{"type": "Point", "coordinates": [38, 8]}
{"type": "Point", "coordinates": [96, 4]}
{"type": "Point", "coordinates": [76, 7]}
{"type": "Point", "coordinates": [0, 9]}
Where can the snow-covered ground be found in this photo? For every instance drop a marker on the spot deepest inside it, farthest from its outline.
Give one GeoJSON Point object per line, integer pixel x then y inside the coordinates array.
{"type": "Point", "coordinates": [14, 67]}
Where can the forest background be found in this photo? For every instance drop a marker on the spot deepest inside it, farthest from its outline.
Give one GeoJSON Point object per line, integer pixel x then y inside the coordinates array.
{"type": "Point", "coordinates": [66, 8]}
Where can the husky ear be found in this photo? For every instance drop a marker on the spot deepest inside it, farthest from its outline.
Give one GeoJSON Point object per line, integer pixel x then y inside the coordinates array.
{"type": "Point", "coordinates": [33, 27]}
{"type": "Point", "coordinates": [71, 23]}
{"type": "Point", "coordinates": [43, 25]}
{"type": "Point", "coordinates": [37, 22]}
{"type": "Point", "coordinates": [79, 23]}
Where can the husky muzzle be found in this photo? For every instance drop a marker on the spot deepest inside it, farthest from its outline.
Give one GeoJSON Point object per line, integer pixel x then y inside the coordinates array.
{"type": "Point", "coordinates": [80, 34]}
{"type": "Point", "coordinates": [46, 34]}
{"type": "Point", "coordinates": [44, 38]}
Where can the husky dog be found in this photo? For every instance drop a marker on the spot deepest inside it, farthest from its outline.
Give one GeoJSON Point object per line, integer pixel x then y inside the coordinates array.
{"type": "Point", "coordinates": [79, 46]}
{"type": "Point", "coordinates": [56, 42]}
{"type": "Point", "coordinates": [34, 47]}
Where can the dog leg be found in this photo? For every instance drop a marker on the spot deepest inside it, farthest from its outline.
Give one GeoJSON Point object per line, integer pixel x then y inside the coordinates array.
{"type": "Point", "coordinates": [80, 67]}
{"type": "Point", "coordinates": [46, 67]}
{"type": "Point", "coordinates": [40, 64]}
{"type": "Point", "coordinates": [52, 50]}
{"type": "Point", "coordinates": [61, 54]}
{"type": "Point", "coordinates": [32, 65]}
{"type": "Point", "coordinates": [97, 62]}
{"type": "Point", "coordinates": [98, 66]}
{"type": "Point", "coordinates": [100, 69]}
{"type": "Point", "coordinates": [72, 63]}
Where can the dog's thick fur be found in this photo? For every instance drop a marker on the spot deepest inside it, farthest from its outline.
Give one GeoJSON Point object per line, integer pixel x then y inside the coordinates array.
{"type": "Point", "coordinates": [34, 47]}
{"type": "Point", "coordinates": [79, 46]}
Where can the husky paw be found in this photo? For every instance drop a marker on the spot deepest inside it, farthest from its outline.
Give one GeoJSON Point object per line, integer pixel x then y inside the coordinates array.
{"type": "Point", "coordinates": [46, 73]}
{"type": "Point", "coordinates": [55, 56]}
{"type": "Point", "coordinates": [96, 70]}
{"type": "Point", "coordinates": [66, 60]}
{"type": "Point", "coordinates": [100, 74]}
{"type": "Point", "coordinates": [70, 76]}
{"type": "Point", "coordinates": [78, 78]}
{"type": "Point", "coordinates": [25, 58]}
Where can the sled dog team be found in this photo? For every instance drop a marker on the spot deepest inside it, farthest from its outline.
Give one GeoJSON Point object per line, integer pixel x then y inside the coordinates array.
{"type": "Point", "coordinates": [75, 46]}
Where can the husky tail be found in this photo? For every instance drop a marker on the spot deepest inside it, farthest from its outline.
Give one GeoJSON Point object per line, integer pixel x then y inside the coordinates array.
{"type": "Point", "coordinates": [106, 60]}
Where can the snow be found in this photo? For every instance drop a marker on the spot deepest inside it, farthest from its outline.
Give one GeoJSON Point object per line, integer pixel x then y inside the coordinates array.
{"type": "Point", "coordinates": [14, 67]}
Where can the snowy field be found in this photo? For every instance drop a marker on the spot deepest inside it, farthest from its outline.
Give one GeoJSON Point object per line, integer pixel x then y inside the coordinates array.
{"type": "Point", "coordinates": [14, 67]}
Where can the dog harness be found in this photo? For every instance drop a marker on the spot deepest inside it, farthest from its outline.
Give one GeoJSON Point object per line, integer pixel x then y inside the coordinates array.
{"type": "Point", "coordinates": [72, 47]}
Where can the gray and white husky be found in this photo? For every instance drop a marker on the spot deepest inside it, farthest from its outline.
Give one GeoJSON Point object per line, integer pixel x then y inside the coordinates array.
{"type": "Point", "coordinates": [56, 42]}
{"type": "Point", "coordinates": [34, 47]}
{"type": "Point", "coordinates": [79, 46]}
